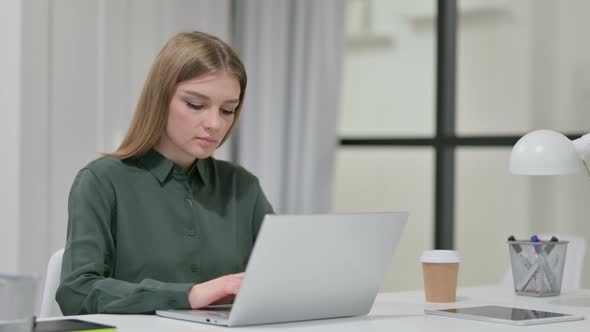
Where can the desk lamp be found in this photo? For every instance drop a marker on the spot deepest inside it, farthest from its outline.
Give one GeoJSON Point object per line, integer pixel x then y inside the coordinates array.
{"type": "Point", "coordinates": [547, 152]}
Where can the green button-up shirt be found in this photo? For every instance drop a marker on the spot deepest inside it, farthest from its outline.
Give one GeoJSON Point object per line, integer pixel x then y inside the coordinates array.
{"type": "Point", "coordinates": [141, 232]}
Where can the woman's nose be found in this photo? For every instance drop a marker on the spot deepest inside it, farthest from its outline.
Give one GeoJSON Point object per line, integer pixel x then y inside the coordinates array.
{"type": "Point", "coordinates": [212, 120]}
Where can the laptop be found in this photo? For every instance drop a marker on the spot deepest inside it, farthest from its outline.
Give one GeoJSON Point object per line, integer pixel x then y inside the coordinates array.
{"type": "Point", "coordinates": [306, 267]}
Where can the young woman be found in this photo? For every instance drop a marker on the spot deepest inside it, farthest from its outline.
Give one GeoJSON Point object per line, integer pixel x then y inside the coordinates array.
{"type": "Point", "coordinates": [159, 223]}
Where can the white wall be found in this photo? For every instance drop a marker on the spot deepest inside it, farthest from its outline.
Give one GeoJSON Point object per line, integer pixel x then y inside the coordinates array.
{"type": "Point", "coordinates": [10, 89]}
{"type": "Point", "coordinates": [34, 138]}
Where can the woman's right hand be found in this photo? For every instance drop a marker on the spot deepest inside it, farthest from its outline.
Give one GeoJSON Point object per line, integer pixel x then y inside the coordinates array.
{"type": "Point", "coordinates": [216, 291]}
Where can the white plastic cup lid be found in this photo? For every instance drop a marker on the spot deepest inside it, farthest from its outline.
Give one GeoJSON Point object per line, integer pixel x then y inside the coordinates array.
{"type": "Point", "coordinates": [440, 256]}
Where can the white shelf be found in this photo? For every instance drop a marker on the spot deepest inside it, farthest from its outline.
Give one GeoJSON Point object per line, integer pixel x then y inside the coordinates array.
{"type": "Point", "coordinates": [417, 10]}
{"type": "Point", "coordinates": [369, 41]}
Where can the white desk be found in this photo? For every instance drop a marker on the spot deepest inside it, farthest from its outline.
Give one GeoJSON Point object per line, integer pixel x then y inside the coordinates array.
{"type": "Point", "coordinates": [393, 312]}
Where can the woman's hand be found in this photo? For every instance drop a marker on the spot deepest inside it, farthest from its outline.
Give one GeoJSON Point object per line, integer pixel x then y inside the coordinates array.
{"type": "Point", "coordinates": [216, 291]}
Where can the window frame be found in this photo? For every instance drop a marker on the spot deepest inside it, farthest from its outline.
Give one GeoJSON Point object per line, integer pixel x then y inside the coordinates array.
{"type": "Point", "coordinates": [445, 141]}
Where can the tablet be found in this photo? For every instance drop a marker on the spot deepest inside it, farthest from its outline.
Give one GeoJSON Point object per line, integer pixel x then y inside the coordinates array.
{"type": "Point", "coordinates": [506, 315]}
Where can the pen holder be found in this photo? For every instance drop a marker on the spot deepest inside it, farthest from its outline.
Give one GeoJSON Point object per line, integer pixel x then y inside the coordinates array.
{"type": "Point", "coordinates": [537, 267]}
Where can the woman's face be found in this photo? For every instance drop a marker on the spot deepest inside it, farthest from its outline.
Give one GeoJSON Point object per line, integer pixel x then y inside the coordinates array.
{"type": "Point", "coordinates": [201, 112]}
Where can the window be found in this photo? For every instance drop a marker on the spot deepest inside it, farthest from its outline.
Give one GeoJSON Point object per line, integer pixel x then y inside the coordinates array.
{"type": "Point", "coordinates": [519, 66]}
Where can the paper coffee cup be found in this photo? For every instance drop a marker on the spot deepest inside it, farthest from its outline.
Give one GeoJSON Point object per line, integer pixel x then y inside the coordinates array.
{"type": "Point", "coordinates": [440, 269]}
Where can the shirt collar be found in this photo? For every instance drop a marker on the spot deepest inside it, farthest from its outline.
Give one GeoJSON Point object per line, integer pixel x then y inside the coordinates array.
{"type": "Point", "coordinates": [161, 167]}
{"type": "Point", "coordinates": [199, 169]}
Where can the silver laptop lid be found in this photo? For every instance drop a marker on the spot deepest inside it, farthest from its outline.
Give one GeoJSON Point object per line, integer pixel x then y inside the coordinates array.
{"type": "Point", "coordinates": [307, 267]}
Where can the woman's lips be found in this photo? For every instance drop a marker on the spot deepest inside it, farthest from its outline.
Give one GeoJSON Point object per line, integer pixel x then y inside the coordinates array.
{"type": "Point", "coordinates": [206, 140]}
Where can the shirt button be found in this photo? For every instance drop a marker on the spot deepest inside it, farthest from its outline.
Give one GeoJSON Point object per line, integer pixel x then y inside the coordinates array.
{"type": "Point", "coordinates": [194, 267]}
{"type": "Point", "coordinates": [191, 232]}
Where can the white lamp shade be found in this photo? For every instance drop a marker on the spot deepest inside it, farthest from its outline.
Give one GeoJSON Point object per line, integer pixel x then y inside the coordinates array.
{"type": "Point", "coordinates": [544, 152]}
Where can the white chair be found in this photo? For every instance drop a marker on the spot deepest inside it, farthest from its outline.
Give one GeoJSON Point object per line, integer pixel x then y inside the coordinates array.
{"type": "Point", "coordinates": [574, 261]}
{"type": "Point", "coordinates": [49, 307]}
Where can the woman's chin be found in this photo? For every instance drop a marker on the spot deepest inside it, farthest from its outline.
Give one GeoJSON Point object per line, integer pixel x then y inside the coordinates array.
{"type": "Point", "coordinates": [202, 154]}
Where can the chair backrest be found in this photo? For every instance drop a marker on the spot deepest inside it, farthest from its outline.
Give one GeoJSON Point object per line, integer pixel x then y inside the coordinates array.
{"type": "Point", "coordinates": [49, 307]}
{"type": "Point", "coordinates": [574, 261]}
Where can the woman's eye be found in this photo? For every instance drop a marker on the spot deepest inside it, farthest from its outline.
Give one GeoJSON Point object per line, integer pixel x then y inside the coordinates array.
{"type": "Point", "coordinates": [227, 112]}
{"type": "Point", "coordinates": [194, 106]}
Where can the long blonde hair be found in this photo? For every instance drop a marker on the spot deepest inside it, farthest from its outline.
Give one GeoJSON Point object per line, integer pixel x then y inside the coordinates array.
{"type": "Point", "coordinates": [187, 55]}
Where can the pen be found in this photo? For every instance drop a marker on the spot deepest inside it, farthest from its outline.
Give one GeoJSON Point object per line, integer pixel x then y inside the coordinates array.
{"type": "Point", "coordinates": [523, 270]}
{"type": "Point", "coordinates": [542, 259]}
{"type": "Point", "coordinates": [536, 248]}
{"type": "Point", "coordinates": [554, 259]}
{"type": "Point", "coordinates": [516, 247]}
{"type": "Point", "coordinates": [535, 238]}
{"type": "Point", "coordinates": [550, 247]}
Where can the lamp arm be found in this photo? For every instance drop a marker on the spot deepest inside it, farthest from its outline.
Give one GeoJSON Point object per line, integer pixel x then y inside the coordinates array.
{"type": "Point", "coordinates": [582, 146]}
